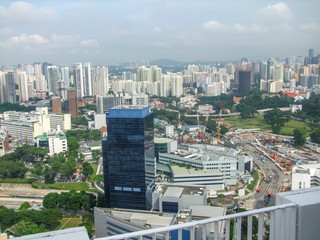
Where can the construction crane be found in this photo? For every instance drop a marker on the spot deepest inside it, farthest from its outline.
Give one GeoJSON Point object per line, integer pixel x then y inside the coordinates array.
{"type": "Point", "coordinates": [205, 125]}
{"type": "Point", "coordinates": [218, 125]}
{"type": "Point", "coordinates": [199, 134]}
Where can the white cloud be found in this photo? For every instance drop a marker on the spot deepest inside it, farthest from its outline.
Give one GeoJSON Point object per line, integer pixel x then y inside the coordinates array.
{"type": "Point", "coordinates": [212, 25]}
{"type": "Point", "coordinates": [240, 28]}
{"type": "Point", "coordinates": [91, 43]}
{"type": "Point", "coordinates": [310, 27]}
{"type": "Point", "coordinates": [273, 13]}
{"type": "Point", "coordinates": [28, 39]}
{"type": "Point", "coordinates": [157, 30]}
{"type": "Point", "coordinates": [34, 42]}
{"type": "Point", "coordinates": [23, 12]}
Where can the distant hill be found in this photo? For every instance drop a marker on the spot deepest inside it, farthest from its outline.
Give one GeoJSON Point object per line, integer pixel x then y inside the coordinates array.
{"type": "Point", "coordinates": [166, 62]}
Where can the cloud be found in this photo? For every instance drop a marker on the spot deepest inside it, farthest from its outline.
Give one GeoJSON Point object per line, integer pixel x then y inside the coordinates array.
{"type": "Point", "coordinates": [157, 30]}
{"type": "Point", "coordinates": [161, 44]}
{"type": "Point", "coordinates": [212, 25]}
{"type": "Point", "coordinates": [310, 27]}
{"type": "Point", "coordinates": [34, 42]}
{"type": "Point", "coordinates": [123, 32]}
{"type": "Point", "coordinates": [29, 39]}
{"type": "Point", "coordinates": [273, 13]}
{"type": "Point", "coordinates": [23, 12]}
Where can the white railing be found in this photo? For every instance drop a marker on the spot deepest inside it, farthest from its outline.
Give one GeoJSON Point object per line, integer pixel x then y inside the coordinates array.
{"type": "Point", "coordinates": [284, 216]}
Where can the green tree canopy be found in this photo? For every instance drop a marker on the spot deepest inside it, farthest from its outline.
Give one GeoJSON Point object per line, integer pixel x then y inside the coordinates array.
{"type": "Point", "coordinates": [299, 137]}
{"type": "Point", "coordinates": [276, 118]}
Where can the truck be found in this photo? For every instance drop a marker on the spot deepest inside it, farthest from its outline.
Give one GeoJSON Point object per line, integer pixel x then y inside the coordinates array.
{"type": "Point", "coordinates": [258, 189]}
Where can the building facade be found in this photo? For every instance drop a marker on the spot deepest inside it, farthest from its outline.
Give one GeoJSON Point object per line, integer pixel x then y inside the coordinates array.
{"type": "Point", "coordinates": [128, 157]}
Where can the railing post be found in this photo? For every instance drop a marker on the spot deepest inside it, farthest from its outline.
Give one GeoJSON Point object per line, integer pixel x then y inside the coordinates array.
{"type": "Point", "coordinates": [272, 225]}
{"type": "Point", "coordinates": [227, 235]}
{"type": "Point", "coordinates": [192, 233]}
{"type": "Point", "coordinates": [249, 228]}
{"type": "Point", "coordinates": [154, 236]}
{"type": "Point", "coordinates": [239, 222]}
{"type": "Point", "coordinates": [216, 230]}
{"type": "Point", "coordinates": [260, 226]}
{"type": "Point", "coordinates": [167, 235]}
{"type": "Point", "coordinates": [293, 224]}
{"type": "Point", "coordinates": [283, 224]}
{"type": "Point", "coordinates": [180, 234]}
{"type": "Point", "coordinates": [204, 231]}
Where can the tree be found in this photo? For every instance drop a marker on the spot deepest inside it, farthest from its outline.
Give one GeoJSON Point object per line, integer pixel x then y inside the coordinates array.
{"type": "Point", "coordinates": [26, 227]}
{"type": "Point", "coordinates": [69, 167]}
{"type": "Point", "coordinates": [96, 154]}
{"type": "Point", "coordinates": [50, 201]}
{"type": "Point", "coordinates": [8, 217]}
{"type": "Point", "coordinates": [73, 144]}
{"type": "Point", "coordinates": [80, 158]}
{"type": "Point", "coordinates": [299, 137]}
{"type": "Point", "coordinates": [24, 205]}
{"type": "Point", "coordinates": [38, 169]}
{"type": "Point", "coordinates": [49, 175]}
{"type": "Point", "coordinates": [315, 136]}
{"type": "Point", "coordinates": [276, 118]}
{"type": "Point", "coordinates": [87, 169]}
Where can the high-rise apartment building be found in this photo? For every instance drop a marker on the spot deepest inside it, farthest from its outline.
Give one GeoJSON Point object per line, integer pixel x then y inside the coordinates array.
{"type": "Point", "coordinates": [21, 78]}
{"type": "Point", "coordinates": [65, 76]}
{"type": "Point", "coordinates": [10, 88]}
{"type": "Point", "coordinates": [78, 78]}
{"type": "Point", "coordinates": [73, 102]}
{"type": "Point", "coordinates": [56, 105]}
{"type": "Point", "coordinates": [87, 79]}
{"type": "Point", "coordinates": [53, 78]}
{"type": "Point", "coordinates": [100, 80]}
{"type": "Point", "coordinates": [128, 157]}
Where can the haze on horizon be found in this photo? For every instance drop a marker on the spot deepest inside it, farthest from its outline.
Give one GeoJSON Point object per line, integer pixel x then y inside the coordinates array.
{"type": "Point", "coordinates": [107, 32]}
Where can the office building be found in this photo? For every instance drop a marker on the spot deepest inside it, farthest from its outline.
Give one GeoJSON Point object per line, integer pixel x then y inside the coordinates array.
{"type": "Point", "coordinates": [100, 121]}
{"type": "Point", "coordinates": [56, 105]}
{"type": "Point", "coordinates": [128, 157]}
{"type": "Point", "coordinates": [73, 102]}
{"type": "Point", "coordinates": [244, 81]}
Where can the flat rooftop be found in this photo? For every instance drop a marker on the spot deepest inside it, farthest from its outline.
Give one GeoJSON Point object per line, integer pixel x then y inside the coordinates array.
{"type": "Point", "coordinates": [129, 111]}
{"type": "Point", "coordinates": [183, 171]}
{"type": "Point", "coordinates": [182, 189]}
{"type": "Point", "coordinates": [150, 218]}
{"type": "Point", "coordinates": [78, 233]}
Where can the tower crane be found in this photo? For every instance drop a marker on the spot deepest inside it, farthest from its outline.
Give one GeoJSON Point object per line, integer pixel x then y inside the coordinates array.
{"type": "Point", "coordinates": [205, 125]}
{"type": "Point", "coordinates": [218, 125]}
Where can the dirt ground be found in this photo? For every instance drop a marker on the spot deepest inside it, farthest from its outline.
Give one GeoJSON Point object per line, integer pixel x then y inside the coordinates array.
{"type": "Point", "coordinates": [23, 189]}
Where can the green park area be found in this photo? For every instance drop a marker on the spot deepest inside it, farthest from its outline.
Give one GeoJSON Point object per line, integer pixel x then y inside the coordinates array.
{"type": "Point", "coordinates": [71, 222]}
{"type": "Point", "coordinates": [259, 122]}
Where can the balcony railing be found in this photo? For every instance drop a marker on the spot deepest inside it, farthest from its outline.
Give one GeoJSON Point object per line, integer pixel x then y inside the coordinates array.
{"type": "Point", "coordinates": [284, 216]}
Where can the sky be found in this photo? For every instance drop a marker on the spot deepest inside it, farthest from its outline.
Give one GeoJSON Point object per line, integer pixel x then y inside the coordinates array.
{"type": "Point", "coordinates": [116, 31]}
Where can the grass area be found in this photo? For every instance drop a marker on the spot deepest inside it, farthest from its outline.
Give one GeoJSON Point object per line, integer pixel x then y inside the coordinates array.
{"type": "Point", "coordinates": [78, 186]}
{"type": "Point", "coordinates": [258, 122]}
{"type": "Point", "coordinates": [95, 167]}
{"type": "Point", "coordinates": [17, 180]}
{"type": "Point", "coordinates": [255, 179]}
{"type": "Point", "coordinates": [69, 223]}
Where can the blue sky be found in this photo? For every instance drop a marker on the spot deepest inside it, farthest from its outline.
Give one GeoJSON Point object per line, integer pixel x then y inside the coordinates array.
{"type": "Point", "coordinates": [106, 32]}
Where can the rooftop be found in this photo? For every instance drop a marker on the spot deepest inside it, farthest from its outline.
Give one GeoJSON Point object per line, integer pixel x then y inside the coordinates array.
{"type": "Point", "coordinates": [130, 111]}
{"type": "Point", "coordinates": [183, 171]}
{"type": "Point", "coordinates": [182, 190]}
{"type": "Point", "coordinates": [78, 233]}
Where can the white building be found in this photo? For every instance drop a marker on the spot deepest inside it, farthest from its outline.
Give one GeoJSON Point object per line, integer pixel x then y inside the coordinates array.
{"type": "Point", "coordinates": [305, 176]}
{"type": "Point", "coordinates": [294, 107]}
{"type": "Point", "coordinates": [169, 130]}
{"type": "Point", "coordinates": [100, 120]}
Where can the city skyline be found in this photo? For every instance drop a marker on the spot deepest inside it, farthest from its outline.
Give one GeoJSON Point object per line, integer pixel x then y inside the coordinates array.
{"type": "Point", "coordinates": [119, 31]}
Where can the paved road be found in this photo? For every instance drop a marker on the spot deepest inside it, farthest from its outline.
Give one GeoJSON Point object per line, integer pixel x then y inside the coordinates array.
{"type": "Point", "coordinates": [267, 167]}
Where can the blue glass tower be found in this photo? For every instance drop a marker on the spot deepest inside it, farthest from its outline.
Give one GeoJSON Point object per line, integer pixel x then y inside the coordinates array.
{"type": "Point", "coordinates": [128, 157]}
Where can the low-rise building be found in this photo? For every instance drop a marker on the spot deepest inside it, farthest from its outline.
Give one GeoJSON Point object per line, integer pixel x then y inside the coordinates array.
{"type": "Point", "coordinates": [56, 142]}
{"type": "Point", "coordinates": [305, 176]}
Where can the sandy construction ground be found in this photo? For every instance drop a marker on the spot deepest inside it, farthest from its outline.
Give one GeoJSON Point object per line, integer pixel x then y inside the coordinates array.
{"type": "Point", "coordinates": [24, 190]}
